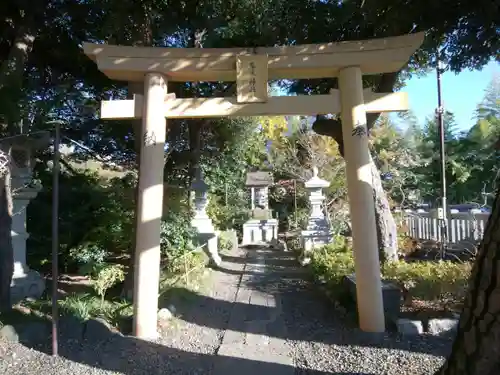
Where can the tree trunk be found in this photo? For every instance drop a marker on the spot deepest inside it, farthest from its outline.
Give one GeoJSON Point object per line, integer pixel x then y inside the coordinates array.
{"type": "Point", "coordinates": [387, 234]}
{"type": "Point", "coordinates": [6, 251]}
{"type": "Point", "coordinates": [387, 230]}
{"type": "Point", "coordinates": [11, 79]}
{"type": "Point", "coordinates": [12, 72]}
{"type": "Point", "coordinates": [476, 350]}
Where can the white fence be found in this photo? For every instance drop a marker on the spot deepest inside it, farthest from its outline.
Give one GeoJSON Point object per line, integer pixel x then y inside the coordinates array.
{"type": "Point", "coordinates": [462, 226]}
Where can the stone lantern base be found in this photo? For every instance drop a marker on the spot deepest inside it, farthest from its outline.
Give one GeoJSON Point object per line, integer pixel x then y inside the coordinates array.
{"type": "Point", "coordinates": [30, 284]}
{"type": "Point", "coordinates": [25, 282]}
{"type": "Point", "coordinates": [313, 239]}
{"type": "Point", "coordinates": [208, 236]}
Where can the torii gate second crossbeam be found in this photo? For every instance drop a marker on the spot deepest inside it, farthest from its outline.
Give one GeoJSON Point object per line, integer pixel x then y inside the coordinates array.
{"type": "Point", "coordinates": [252, 69]}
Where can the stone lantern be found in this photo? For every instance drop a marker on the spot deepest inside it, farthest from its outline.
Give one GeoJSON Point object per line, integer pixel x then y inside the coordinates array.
{"type": "Point", "coordinates": [201, 221]}
{"type": "Point", "coordinates": [318, 231]}
{"type": "Point", "coordinates": [25, 282]}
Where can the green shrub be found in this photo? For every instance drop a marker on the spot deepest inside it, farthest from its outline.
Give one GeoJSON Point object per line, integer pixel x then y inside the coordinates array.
{"type": "Point", "coordinates": [428, 281]}
{"type": "Point", "coordinates": [225, 242]}
{"type": "Point", "coordinates": [177, 234]}
{"type": "Point", "coordinates": [332, 263]}
{"type": "Point", "coordinates": [231, 216]}
{"type": "Point", "coordinates": [108, 276]}
{"type": "Point", "coordinates": [95, 219]}
{"type": "Point", "coordinates": [90, 257]}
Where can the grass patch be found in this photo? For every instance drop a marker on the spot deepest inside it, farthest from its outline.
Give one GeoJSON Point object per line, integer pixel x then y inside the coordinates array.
{"type": "Point", "coordinates": [84, 307]}
{"type": "Point", "coordinates": [118, 312]}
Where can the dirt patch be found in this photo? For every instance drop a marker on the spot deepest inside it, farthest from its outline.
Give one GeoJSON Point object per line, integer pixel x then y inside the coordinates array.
{"type": "Point", "coordinates": [425, 310]}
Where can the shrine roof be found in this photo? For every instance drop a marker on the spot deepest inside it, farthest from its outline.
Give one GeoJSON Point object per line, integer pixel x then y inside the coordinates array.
{"type": "Point", "coordinates": [259, 179]}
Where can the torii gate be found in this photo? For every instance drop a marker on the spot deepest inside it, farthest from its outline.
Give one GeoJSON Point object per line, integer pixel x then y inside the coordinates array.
{"type": "Point", "coordinates": [251, 69]}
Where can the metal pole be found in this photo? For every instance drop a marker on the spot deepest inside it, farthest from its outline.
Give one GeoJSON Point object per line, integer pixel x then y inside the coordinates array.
{"type": "Point", "coordinates": [225, 199]}
{"type": "Point", "coordinates": [55, 237]}
{"type": "Point", "coordinates": [295, 201]}
{"type": "Point", "coordinates": [442, 150]}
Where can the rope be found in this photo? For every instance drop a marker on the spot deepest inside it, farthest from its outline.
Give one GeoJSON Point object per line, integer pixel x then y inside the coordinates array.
{"type": "Point", "coordinates": [4, 163]}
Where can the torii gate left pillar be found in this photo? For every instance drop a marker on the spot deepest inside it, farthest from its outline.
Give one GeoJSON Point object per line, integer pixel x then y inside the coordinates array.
{"type": "Point", "coordinates": [150, 207]}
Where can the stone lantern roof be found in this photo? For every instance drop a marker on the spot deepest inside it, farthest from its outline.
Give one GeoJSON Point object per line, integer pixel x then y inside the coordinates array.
{"type": "Point", "coordinates": [315, 181]}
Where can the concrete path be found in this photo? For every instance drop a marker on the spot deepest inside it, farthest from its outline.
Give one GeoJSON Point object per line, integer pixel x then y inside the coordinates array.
{"type": "Point", "coordinates": [256, 328]}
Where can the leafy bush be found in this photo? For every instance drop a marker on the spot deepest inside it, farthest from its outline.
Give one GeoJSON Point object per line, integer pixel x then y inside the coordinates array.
{"type": "Point", "coordinates": [108, 276]}
{"type": "Point", "coordinates": [95, 219]}
{"type": "Point", "coordinates": [230, 216]}
{"type": "Point", "coordinates": [225, 242]}
{"type": "Point", "coordinates": [332, 263]}
{"type": "Point", "coordinates": [177, 234]}
{"type": "Point", "coordinates": [89, 256]}
{"type": "Point", "coordinates": [175, 271]}
{"type": "Point", "coordinates": [429, 281]}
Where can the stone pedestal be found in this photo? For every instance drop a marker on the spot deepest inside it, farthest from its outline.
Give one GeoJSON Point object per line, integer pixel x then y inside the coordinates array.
{"type": "Point", "coordinates": [317, 233]}
{"type": "Point", "coordinates": [201, 221]}
{"type": "Point", "coordinates": [25, 282]}
{"type": "Point", "coordinates": [260, 231]}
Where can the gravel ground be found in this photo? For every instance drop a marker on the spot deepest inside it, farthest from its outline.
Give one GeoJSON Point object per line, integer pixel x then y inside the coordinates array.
{"type": "Point", "coordinates": [318, 339]}
{"type": "Point", "coordinates": [324, 340]}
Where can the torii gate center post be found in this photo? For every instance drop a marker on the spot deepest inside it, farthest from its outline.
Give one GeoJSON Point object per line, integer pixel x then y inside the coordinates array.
{"type": "Point", "coordinates": [252, 69]}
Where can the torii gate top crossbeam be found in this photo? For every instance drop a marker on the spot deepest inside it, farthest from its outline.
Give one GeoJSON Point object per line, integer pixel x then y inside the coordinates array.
{"type": "Point", "coordinates": [374, 56]}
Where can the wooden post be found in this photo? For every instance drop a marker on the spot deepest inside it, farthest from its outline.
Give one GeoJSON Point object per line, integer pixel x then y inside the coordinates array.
{"type": "Point", "coordinates": [361, 204]}
{"type": "Point", "coordinates": [150, 207]}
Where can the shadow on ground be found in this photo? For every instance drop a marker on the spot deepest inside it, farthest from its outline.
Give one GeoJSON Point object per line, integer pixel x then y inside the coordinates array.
{"type": "Point", "coordinates": [95, 345]}
{"type": "Point", "coordinates": [306, 315]}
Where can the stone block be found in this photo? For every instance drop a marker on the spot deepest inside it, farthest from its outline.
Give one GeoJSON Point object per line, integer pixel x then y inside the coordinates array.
{"type": "Point", "coordinates": [30, 284]}
{"type": "Point", "coordinates": [35, 333]}
{"type": "Point", "coordinates": [391, 295]}
{"type": "Point", "coordinates": [410, 327]}
{"type": "Point", "coordinates": [442, 326]}
{"type": "Point", "coordinates": [313, 239]}
{"type": "Point", "coordinates": [261, 214]}
{"type": "Point", "coordinates": [165, 314]}
{"type": "Point", "coordinates": [98, 330]}
{"type": "Point", "coordinates": [9, 334]}
{"type": "Point", "coordinates": [71, 328]}
{"type": "Point", "coordinates": [259, 231]}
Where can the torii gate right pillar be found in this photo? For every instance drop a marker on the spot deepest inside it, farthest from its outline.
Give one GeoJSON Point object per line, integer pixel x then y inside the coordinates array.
{"type": "Point", "coordinates": [362, 209]}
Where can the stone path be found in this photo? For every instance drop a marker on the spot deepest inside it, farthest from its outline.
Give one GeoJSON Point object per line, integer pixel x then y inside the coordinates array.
{"type": "Point", "coordinates": [260, 316]}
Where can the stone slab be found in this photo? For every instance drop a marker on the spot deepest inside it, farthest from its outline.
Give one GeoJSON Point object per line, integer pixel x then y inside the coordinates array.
{"type": "Point", "coordinates": [391, 295]}
{"type": "Point", "coordinates": [410, 327]}
{"type": "Point", "coordinates": [442, 326]}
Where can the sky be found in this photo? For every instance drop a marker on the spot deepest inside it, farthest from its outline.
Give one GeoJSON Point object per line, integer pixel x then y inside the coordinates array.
{"type": "Point", "coordinates": [460, 93]}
